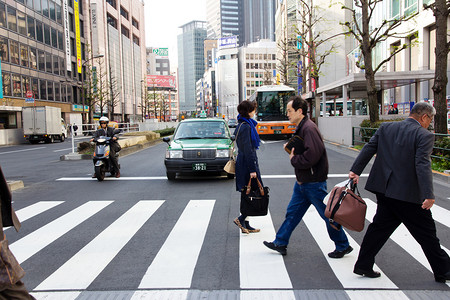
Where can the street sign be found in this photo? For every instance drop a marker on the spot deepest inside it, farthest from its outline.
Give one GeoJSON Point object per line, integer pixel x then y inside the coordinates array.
{"type": "Point", "coordinates": [29, 100]}
{"type": "Point", "coordinates": [29, 94]}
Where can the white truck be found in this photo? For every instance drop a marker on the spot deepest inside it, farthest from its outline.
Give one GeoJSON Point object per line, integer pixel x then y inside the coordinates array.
{"type": "Point", "coordinates": [43, 123]}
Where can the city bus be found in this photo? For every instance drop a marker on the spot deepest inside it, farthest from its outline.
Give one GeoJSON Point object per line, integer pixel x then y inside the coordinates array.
{"type": "Point", "coordinates": [271, 109]}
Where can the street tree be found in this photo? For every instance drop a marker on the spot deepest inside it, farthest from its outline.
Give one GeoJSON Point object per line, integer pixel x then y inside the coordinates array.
{"type": "Point", "coordinates": [369, 33]}
{"type": "Point", "coordinates": [440, 10]}
{"type": "Point", "coordinates": [114, 94]}
{"type": "Point", "coordinates": [284, 66]}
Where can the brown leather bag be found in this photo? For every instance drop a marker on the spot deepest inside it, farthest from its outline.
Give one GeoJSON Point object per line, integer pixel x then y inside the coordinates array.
{"type": "Point", "coordinates": [346, 208]}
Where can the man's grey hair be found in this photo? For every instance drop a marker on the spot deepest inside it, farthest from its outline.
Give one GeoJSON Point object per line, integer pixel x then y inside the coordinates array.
{"type": "Point", "coordinates": [421, 108]}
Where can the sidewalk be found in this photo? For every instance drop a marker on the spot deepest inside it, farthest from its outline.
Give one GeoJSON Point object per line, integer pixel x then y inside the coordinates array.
{"type": "Point", "coordinates": [442, 177]}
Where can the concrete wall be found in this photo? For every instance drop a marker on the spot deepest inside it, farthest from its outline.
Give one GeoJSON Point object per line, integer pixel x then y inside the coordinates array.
{"type": "Point", "coordinates": [11, 136]}
{"type": "Point", "coordinates": [156, 126]}
{"type": "Point", "coordinates": [339, 129]}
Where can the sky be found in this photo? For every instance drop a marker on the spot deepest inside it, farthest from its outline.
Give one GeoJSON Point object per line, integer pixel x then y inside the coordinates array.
{"type": "Point", "coordinates": [162, 19]}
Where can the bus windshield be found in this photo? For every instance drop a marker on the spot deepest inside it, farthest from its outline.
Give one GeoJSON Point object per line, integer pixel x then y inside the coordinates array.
{"type": "Point", "coordinates": [272, 105]}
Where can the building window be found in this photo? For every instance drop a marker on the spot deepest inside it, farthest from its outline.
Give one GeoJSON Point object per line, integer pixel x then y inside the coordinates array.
{"type": "Point", "coordinates": [48, 62]}
{"type": "Point", "coordinates": [3, 15]}
{"type": "Point", "coordinates": [6, 77]}
{"type": "Point", "coordinates": [81, 28]}
{"type": "Point", "coordinates": [71, 22]}
{"type": "Point", "coordinates": [31, 29]}
{"type": "Point", "coordinates": [58, 14]}
{"type": "Point", "coordinates": [22, 23]}
{"type": "Point", "coordinates": [37, 6]}
{"type": "Point", "coordinates": [52, 10]}
{"type": "Point", "coordinates": [16, 85]}
{"type": "Point", "coordinates": [125, 31]}
{"type": "Point", "coordinates": [39, 32]}
{"type": "Point", "coordinates": [45, 11]}
{"type": "Point", "coordinates": [43, 88]}
{"type": "Point", "coordinates": [4, 53]}
{"type": "Point", "coordinates": [62, 66]}
{"type": "Point", "coordinates": [135, 23]}
{"type": "Point", "coordinates": [50, 95]}
{"type": "Point", "coordinates": [12, 21]}
{"type": "Point", "coordinates": [24, 58]}
{"type": "Point", "coordinates": [123, 12]}
{"type": "Point", "coordinates": [26, 85]}
{"type": "Point", "coordinates": [57, 92]}
{"type": "Point", "coordinates": [54, 38]}
{"type": "Point", "coordinates": [414, 53]}
{"type": "Point", "coordinates": [111, 21]}
{"type": "Point", "coordinates": [410, 7]}
{"type": "Point", "coordinates": [135, 40]}
{"type": "Point", "coordinates": [35, 87]}
{"type": "Point", "coordinates": [112, 3]}
{"type": "Point", "coordinates": [47, 37]}
{"type": "Point", "coordinates": [33, 58]}
{"type": "Point", "coordinates": [60, 40]}
{"type": "Point", "coordinates": [55, 65]}
{"type": "Point", "coordinates": [41, 60]}
{"type": "Point", "coordinates": [14, 50]}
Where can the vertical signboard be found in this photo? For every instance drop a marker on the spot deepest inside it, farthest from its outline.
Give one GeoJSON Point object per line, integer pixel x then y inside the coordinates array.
{"type": "Point", "coordinates": [94, 30]}
{"type": "Point", "coordinates": [76, 12]}
{"type": "Point", "coordinates": [67, 35]}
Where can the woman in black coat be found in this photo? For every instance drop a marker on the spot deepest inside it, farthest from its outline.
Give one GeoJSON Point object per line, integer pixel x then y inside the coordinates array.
{"type": "Point", "coordinates": [247, 141]}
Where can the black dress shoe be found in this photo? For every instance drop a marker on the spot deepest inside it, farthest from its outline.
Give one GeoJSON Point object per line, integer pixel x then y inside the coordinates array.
{"type": "Point", "coordinates": [366, 273]}
{"type": "Point", "coordinates": [442, 278]}
{"type": "Point", "coordinates": [340, 254]}
{"type": "Point", "coordinates": [281, 249]}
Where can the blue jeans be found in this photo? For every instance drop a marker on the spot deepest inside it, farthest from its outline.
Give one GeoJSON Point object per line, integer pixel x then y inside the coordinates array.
{"type": "Point", "coordinates": [303, 196]}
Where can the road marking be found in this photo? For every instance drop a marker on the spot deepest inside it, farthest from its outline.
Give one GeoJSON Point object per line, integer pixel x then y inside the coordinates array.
{"type": "Point", "coordinates": [403, 238]}
{"type": "Point", "coordinates": [55, 295]}
{"type": "Point", "coordinates": [269, 295]}
{"type": "Point", "coordinates": [343, 267]}
{"type": "Point", "coordinates": [259, 267]}
{"type": "Point", "coordinates": [165, 178]}
{"type": "Point", "coordinates": [62, 150]}
{"type": "Point", "coordinates": [441, 215]}
{"type": "Point", "coordinates": [161, 294]}
{"type": "Point", "coordinates": [37, 240]}
{"type": "Point", "coordinates": [35, 209]}
{"type": "Point", "coordinates": [173, 266]}
{"type": "Point", "coordinates": [80, 270]}
{"type": "Point", "coordinates": [15, 151]}
{"type": "Point", "coordinates": [377, 295]}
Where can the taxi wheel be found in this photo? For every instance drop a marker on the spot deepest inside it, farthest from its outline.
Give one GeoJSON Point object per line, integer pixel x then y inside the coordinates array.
{"type": "Point", "coordinates": [171, 175]}
{"type": "Point", "coordinates": [230, 176]}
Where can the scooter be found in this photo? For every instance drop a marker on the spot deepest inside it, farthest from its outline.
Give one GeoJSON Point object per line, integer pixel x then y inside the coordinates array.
{"type": "Point", "coordinates": [102, 160]}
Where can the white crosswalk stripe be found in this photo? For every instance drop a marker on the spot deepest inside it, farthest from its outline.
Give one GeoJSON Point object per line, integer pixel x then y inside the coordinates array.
{"type": "Point", "coordinates": [170, 273]}
{"type": "Point", "coordinates": [174, 264]}
{"type": "Point", "coordinates": [84, 267]}
{"type": "Point", "coordinates": [42, 237]}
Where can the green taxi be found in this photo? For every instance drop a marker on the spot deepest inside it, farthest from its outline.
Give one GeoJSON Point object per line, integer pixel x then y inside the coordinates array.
{"type": "Point", "coordinates": [198, 146]}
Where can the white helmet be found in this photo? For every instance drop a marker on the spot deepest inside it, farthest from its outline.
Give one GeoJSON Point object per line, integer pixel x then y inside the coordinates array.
{"type": "Point", "coordinates": [104, 119]}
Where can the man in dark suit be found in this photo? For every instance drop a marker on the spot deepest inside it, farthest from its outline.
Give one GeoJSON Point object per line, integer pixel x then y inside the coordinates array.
{"type": "Point", "coordinates": [402, 180]}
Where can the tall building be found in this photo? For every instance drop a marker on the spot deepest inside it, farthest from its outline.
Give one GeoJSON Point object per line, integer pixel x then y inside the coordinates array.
{"type": "Point", "coordinates": [248, 20]}
{"type": "Point", "coordinates": [117, 31]}
{"type": "Point", "coordinates": [158, 62]}
{"type": "Point", "coordinates": [258, 21]}
{"type": "Point", "coordinates": [191, 64]}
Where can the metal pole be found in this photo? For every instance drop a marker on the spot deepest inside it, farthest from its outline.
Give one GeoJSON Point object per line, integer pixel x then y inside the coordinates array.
{"type": "Point", "coordinates": [73, 135]}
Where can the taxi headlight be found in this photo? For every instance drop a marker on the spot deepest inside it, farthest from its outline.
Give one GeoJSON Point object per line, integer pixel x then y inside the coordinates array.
{"type": "Point", "coordinates": [174, 154]}
{"type": "Point", "coordinates": [223, 153]}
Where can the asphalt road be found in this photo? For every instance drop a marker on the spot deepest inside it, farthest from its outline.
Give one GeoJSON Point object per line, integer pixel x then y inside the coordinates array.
{"type": "Point", "coordinates": [144, 233]}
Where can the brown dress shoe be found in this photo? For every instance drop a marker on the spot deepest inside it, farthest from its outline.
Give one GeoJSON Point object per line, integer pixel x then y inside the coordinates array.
{"type": "Point", "coordinates": [118, 174]}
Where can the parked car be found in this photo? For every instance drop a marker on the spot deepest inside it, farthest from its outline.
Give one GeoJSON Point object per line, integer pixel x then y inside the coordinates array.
{"type": "Point", "coordinates": [198, 146]}
{"type": "Point", "coordinates": [232, 123]}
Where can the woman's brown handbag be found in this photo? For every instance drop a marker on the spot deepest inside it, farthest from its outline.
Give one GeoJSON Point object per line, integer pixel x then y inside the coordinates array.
{"type": "Point", "coordinates": [10, 270]}
{"type": "Point", "coordinates": [346, 208]}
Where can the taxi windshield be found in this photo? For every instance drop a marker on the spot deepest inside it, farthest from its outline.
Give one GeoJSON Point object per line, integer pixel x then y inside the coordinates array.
{"type": "Point", "coordinates": [201, 130]}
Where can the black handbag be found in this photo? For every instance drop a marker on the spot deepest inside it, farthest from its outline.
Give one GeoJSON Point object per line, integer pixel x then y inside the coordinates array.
{"type": "Point", "coordinates": [254, 202]}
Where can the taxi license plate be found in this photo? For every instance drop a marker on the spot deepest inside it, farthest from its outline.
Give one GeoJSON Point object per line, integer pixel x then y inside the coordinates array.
{"type": "Point", "coordinates": [199, 167]}
{"type": "Point", "coordinates": [277, 131]}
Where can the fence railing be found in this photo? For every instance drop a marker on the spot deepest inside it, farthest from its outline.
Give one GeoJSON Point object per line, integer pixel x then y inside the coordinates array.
{"type": "Point", "coordinates": [362, 135]}
{"type": "Point", "coordinates": [85, 130]}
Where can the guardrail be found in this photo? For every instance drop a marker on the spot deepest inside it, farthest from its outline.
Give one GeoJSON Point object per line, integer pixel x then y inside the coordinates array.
{"type": "Point", "coordinates": [362, 135]}
{"type": "Point", "coordinates": [84, 130]}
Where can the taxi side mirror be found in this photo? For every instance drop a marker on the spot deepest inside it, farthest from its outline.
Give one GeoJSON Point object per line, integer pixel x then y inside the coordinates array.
{"type": "Point", "coordinates": [233, 137]}
{"type": "Point", "coordinates": [166, 139]}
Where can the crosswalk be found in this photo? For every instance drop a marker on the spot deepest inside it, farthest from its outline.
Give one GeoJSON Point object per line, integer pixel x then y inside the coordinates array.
{"type": "Point", "coordinates": [170, 272]}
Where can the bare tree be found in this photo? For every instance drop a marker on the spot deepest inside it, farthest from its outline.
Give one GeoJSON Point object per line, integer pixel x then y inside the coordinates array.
{"type": "Point", "coordinates": [284, 65]}
{"type": "Point", "coordinates": [440, 10]}
{"type": "Point", "coordinates": [114, 94]}
{"type": "Point", "coordinates": [369, 37]}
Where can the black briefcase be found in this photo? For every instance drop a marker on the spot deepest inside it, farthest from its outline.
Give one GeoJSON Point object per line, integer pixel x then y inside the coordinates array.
{"type": "Point", "coordinates": [254, 201]}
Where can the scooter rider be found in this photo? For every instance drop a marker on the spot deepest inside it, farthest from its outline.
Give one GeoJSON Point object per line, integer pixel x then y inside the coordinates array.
{"type": "Point", "coordinates": [104, 130]}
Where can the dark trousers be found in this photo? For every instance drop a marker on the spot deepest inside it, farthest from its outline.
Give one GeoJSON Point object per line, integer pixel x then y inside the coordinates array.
{"type": "Point", "coordinates": [113, 159]}
{"type": "Point", "coordinates": [419, 222]}
{"type": "Point", "coordinates": [16, 291]}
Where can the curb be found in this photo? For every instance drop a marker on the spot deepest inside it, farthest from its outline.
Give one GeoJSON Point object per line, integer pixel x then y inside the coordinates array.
{"type": "Point", "coordinates": [123, 152]}
{"type": "Point", "coordinates": [444, 177]}
{"type": "Point", "coordinates": [15, 185]}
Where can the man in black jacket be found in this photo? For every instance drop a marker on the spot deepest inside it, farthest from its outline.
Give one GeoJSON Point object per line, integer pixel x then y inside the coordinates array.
{"type": "Point", "coordinates": [104, 130]}
{"type": "Point", "coordinates": [402, 180]}
{"type": "Point", "coordinates": [311, 171]}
